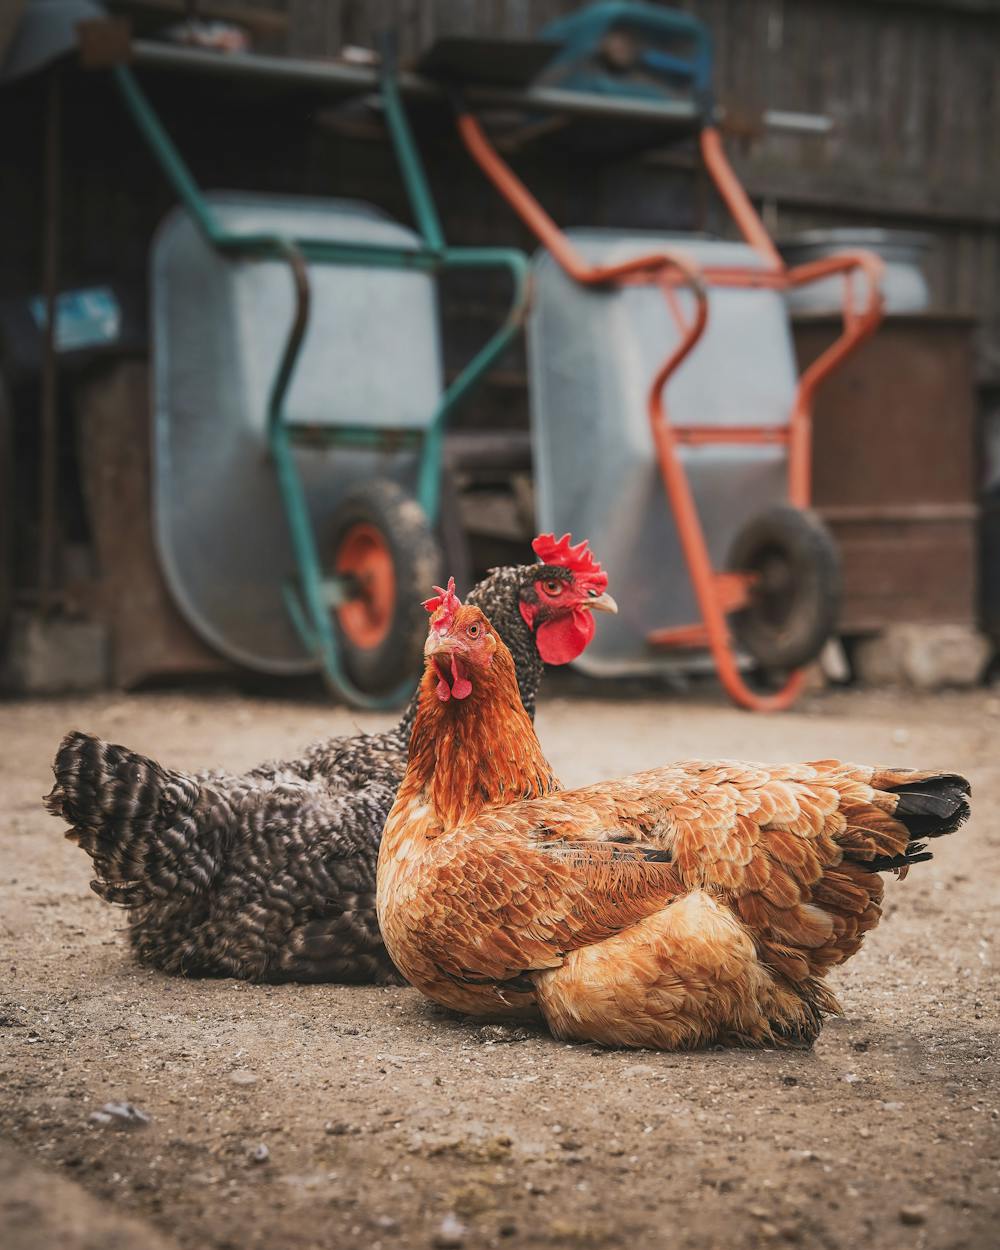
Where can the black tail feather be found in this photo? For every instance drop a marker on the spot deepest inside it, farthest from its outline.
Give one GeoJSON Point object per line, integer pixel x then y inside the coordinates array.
{"type": "Point", "coordinates": [143, 826]}
{"type": "Point", "coordinates": [916, 853]}
{"type": "Point", "coordinates": [928, 808]}
{"type": "Point", "coordinates": [934, 806]}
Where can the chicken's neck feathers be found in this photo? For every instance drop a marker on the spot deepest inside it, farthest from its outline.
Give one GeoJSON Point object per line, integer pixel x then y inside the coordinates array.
{"type": "Point", "coordinates": [471, 754]}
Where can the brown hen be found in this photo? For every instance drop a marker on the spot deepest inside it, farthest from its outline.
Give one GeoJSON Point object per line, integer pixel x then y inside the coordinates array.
{"type": "Point", "coordinates": [702, 902]}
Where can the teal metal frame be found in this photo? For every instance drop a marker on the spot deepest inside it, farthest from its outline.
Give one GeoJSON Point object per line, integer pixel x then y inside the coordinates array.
{"type": "Point", "coordinates": [311, 603]}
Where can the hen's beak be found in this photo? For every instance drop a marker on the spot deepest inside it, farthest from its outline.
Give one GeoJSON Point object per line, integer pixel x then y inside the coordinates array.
{"type": "Point", "coordinates": [601, 603]}
{"type": "Point", "coordinates": [438, 644]}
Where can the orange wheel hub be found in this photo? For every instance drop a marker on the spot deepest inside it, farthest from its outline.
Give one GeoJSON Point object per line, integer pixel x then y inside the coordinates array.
{"type": "Point", "coordinates": [364, 556]}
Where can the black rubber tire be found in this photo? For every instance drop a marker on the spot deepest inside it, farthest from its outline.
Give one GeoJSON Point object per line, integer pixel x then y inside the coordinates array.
{"type": "Point", "coordinates": [793, 607]}
{"type": "Point", "coordinates": [416, 561]}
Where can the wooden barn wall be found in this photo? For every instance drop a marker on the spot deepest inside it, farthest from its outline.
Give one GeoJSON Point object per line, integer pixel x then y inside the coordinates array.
{"type": "Point", "coordinates": [913, 90]}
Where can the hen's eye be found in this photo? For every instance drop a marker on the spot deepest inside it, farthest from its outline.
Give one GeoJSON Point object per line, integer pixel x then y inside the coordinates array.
{"type": "Point", "coordinates": [552, 587]}
{"type": "Point", "coordinates": [474, 630]}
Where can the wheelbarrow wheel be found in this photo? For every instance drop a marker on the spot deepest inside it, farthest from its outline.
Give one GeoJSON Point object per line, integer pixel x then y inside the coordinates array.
{"type": "Point", "coordinates": [795, 594]}
{"type": "Point", "coordinates": [382, 545]}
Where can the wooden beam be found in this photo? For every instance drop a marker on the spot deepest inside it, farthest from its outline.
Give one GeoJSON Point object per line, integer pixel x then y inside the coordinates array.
{"type": "Point", "coordinates": [262, 21]}
{"type": "Point", "coordinates": [836, 190]}
{"type": "Point", "coordinates": [978, 8]}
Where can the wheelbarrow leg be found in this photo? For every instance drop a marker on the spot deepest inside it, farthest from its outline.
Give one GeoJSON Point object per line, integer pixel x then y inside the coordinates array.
{"type": "Point", "coordinates": [306, 606]}
{"type": "Point", "coordinates": [312, 605]}
{"type": "Point", "coordinates": [712, 590]}
{"type": "Point", "coordinates": [311, 617]}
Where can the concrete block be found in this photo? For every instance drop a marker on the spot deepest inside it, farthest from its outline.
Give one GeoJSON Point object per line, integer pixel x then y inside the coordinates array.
{"type": "Point", "coordinates": [51, 655]}
{"type": "Point", "coordinates": [922, 657]}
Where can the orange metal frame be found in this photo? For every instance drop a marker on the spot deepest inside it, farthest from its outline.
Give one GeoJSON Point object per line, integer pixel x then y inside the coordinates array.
{"type": "Point", "coordinates": [717, 593]}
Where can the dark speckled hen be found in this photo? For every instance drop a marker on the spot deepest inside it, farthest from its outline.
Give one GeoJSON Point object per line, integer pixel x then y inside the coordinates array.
{"type": "Point", "coordinates": [270, 875]}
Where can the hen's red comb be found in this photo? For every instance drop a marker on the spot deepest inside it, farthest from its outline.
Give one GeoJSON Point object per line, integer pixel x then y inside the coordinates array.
{"type": "Point", "coordinates": [446, 599]}
{"type": "Point", "coordinates": [580, 559]}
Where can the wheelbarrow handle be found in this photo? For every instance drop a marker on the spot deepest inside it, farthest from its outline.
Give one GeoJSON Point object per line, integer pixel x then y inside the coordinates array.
{"type": "Point", "coordinates": [847, 264]}
{"type": "Point", "coordinates": [516, 264]}
{"type": "Point", "coordinates": [549, 234]}
{"type": "Point", "coordinates": [857, 327]}
{"type": "Point", "coordinates": [286, 250]}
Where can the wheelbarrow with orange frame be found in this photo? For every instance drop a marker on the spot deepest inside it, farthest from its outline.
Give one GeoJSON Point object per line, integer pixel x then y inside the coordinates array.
{"type": "Point", "coordinates": [775, 602]}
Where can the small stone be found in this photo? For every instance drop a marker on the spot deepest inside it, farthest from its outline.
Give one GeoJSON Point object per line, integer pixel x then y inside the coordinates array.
{"type": "Point", "coordinates": [260, 1154]}
{"type": "Point", "coordinates": [923, 657]}
{"type": "Point", "coordinates": [387, 1223]}
{"type": "Point", "coordinates": [242, 1077]}
{"type": "Point", "coordinates": [53, 655]}
{"type": "Point", "coordinates": [501, 1034]}
{"type": "Point", "coordinates": [768, 1231]}
{"type": "Point", "coordinates": [337, 1128]}
{"type": "Point", "coordinates": [789, 1080]}
{"type": "Point", "coordinates": [450, 1234]}
{"type": "Point", "coordinates": [833, 662]}
{"type": "Point", "coordinates": [861, 1046]}
{"type": "Point", "coordinates": [851, 1078]}
{"type": "Point", "coordinates": [864, 1132]}
{"type": "Point", "coordinates": [915, 1214]}
{"type": "Point", "coordinates": [120, 1115]}
{"type": "Point", "coordinates": [507, 1229]}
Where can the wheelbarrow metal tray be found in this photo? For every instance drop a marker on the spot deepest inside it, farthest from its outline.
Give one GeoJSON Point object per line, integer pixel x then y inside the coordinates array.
{"type": "Point", "coordinates": [371, 358]}
{"type": "Point", "coordinates": [593, 355]}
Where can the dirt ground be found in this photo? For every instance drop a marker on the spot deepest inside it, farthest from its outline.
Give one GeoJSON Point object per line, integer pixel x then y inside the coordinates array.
{"type": "Point", "coordinates": [390, 1125]}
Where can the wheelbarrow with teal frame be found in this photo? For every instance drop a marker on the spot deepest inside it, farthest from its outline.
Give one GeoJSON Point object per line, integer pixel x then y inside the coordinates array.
{"type": "Point", "coordinates": [339, 587]}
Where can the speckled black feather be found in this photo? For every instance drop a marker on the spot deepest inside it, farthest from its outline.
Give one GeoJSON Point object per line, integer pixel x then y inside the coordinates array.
{"type": "Point", "coordinates": [269, 875]}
